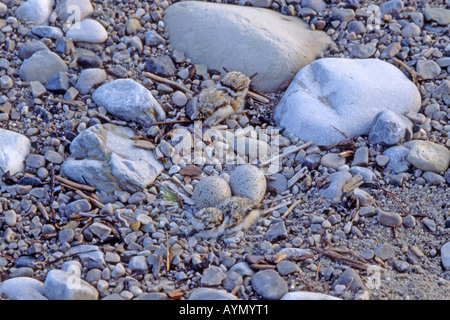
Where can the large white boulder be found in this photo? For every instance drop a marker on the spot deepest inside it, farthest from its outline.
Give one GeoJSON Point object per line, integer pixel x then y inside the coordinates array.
{"type": "Point", "coordinates": [105, 157]}
{"type": "Point", "coordinates": [14, 148]}
{"type": "Point", "coordinates": [245, 39]}
{"type": "Point", "coordinates": [336, 94]}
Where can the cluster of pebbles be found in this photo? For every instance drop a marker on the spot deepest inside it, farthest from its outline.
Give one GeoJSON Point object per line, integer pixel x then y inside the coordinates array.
{"type": "Point", "coordinates": [354, 221]}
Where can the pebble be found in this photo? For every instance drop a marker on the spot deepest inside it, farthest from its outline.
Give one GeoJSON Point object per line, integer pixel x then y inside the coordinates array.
{"type": "Point", "coordinates": [212, 276]}
{"type": "Point", "coordinates": [384, 251]}
{"type": "Point", "coordinates": [89, 79]}
{"type": "Point", "coordinates": [58, 83]}
{"type": "Point", "coordinates": [138, 264]}
{"type": "Point", "coordinates": [332, 160]}
{"type": "Point", "coordinates": [27, 49]}
{"type": "Point", "coordinates": [277, 231]}
{"type": "Point", "coordinates": [87, 30]}
{"type": "Point", "coordinates": [161, 65]}
{"type": "Point", "coordinates": [411, 30]}
{"type": "Point", "coordinates": [47, 32]}
{"type": "Point", "coordinates": [179, 98]}
{"type": "Point", "coordinates": [390, 128]}
{"type": "Point", "coordinates": [445, 256]}
{"type": "Point", "coordinates": [388, 219]}
{"type": "Point", "coordinates": [429, 156]}
{"type": "Point", "coordinates": [100, 230]}
{"type": "Point", "coordinates": [269, 284]}
{"type": "Point", "coordinates": [428, 69]}
{"type": "Point", "coordinates": [306, 295]}
{"type": "Point", "coordinates": [211, 294]}
{"type": "Point", "coordinates": [350, 279]}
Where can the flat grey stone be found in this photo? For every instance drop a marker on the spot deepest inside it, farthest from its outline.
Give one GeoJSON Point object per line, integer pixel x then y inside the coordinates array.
{"type": "Point", "coordinates": [269, 284]}
{"type": "Point", "coordinates": [211, 294]}
{"type": "Point", "coordinates": [41, 66]}
{"type": "Point", "coordinates": [27, 49]}
{"type": "Point", "coordinates": [385, 251]}
{"type": "Point", "coordinates": [315, 104]}
{"type": "Point", "coordinates": [89, 79]}
{"type": "Point", "coordinates": [247, 39]}
{"type": "Point", "coordinates": [276, 231]}
{"type": "Point", "coordinates": [105, 157]}
{"type": "Point", "coordinates": [337, 182]}
{"type": "Point", "coordinates": [212, 276]}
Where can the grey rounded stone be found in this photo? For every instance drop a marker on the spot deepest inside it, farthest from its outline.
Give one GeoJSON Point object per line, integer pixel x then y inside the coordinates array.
{"type": "Point", "coordinates": [87, 30]}
{"type": "Point", "coordinates": [429, 156]}
{"type": "Point", "coordinates": [210, 192]}
{"type": "Point", "coordinates": [211, 294]}
{"type": "Point", "coordinates": [445, 255]}
{"type": "Point", "coordinates": [269, 284]}
{"type": "Point", "coordinates": [248, 181]}
{"type": "Point", "coordinates": [388, 219]}
{"type": "Point", "coordinates": [89, 79]}
{"type": "Point", "coordinates": [61, 285]}
{"type": "Point", "coordinates": [411, 30]}
{"type": "Point", "coordinates": [212, 276]}
{"type": "Point", "coordinates": [385, 251]}
{"type": "Point", "coordinates": [129, 100]}
{"type": "Point", "coordinates": [22, 288]}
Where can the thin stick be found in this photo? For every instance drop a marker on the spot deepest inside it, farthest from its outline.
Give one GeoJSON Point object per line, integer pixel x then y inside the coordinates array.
{"type": "Point", "coordinates": [303, 146]}
{"type": "Point", "coordinates": [74, 185]}
{"type": "Point", "coordinates": [170, 122]}
{"type": "Point", "coordinates": [414, 74]}
{"type": "Point", "coordinates": [168, 252]}
{"type": "Point", "coordinates": [76, 103]}
{"type": "Point", "coordinates": [168, 82]}
{"type": "Point", "coordinates": [259, 97]}
{"type": "Point", "coordinates": [267, 211]}
{"type": "Point", "coordinates": [42, 210]}
{"type": "Point", "coordinates": [341, 258]}
{"type": "Point", "coordinates": [292, 207]}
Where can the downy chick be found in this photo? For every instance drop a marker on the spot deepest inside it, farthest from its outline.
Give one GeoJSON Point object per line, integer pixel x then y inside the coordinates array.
{"type": "Point", "coordinates": [214, 104]}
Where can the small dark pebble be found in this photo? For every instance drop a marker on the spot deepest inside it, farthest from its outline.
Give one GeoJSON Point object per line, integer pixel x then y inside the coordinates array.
{"type": "Point", "coordinates": [30, 181]}
{"type": "Point", "coordinates": [89, 61]}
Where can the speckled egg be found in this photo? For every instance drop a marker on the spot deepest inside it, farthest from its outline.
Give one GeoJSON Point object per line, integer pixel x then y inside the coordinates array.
{"type": "Point", "coordinates": [210, 192]}
{"type": "Point", "coordinates": [248, 181]}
